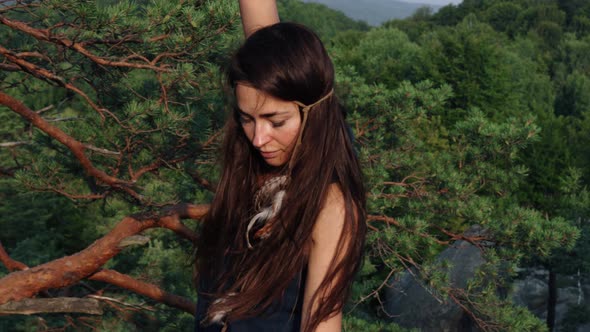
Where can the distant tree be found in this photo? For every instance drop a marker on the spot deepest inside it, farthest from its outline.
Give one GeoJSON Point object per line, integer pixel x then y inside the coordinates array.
{"type": "Point", "coordinates": [482, 74]}
{"type": "Point", "coordinates": [573, 9]}
{"type": "Point", "coordinates": [414, 26]}
{"type": "Point", "coordinates": [502, 16]}
{"type": "Point", "coordinates": [448, 15]}
{"type": "Point", "coordinates": [574, 99]}
{"type": "Point", "coordinates": [383, 55]}
{"type": "Point", "coordinates": [422, 14]}
{"type": "Point", "coordinates": [533, 16]}
{"type": "Point", "coordinates": [581, 25]}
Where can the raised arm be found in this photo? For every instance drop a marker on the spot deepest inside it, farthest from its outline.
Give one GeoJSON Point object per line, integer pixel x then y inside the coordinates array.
{"type": "Point", "coordinates": [257, 14]}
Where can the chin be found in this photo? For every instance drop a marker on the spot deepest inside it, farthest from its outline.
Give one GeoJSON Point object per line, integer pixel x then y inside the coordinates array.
{"type": "Point", "coordinates": [279, 160]}
{"type": "Point", "coordinates": [275, 163]}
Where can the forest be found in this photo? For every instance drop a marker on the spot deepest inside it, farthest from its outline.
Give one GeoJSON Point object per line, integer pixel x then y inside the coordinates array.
{"type": "Point", "coordinates": [472, 125]}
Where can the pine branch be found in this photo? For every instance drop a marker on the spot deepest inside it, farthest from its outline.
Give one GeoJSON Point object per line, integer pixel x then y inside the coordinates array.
{"type": "Point", "coordinates": [70, 270]}
{"type": "Point", "coordinates": [9, 67]}
{"type": "Point", "coordinates": [8, 171]}
{"type": "Point", "coordinates": [77, 148]}
{"type": "Point", "coordinates": [54, 305]}
{"type": "Point", "coordinates": [10, 263]}
{"type": "Point", "coordinates": [45, 74]}
{"type": "Point", "coordinates": [14, 6]}
{"type": "Point", "coordinates": [396, 223]}
{"type": "Point", "coordinates": [202, 181]}
{"type": "Point", "coordinates": [124, 281]}
{"type": "Point", "coordinates": [28, 306]}
{"type": "Point", "coordinates": [45, 35]}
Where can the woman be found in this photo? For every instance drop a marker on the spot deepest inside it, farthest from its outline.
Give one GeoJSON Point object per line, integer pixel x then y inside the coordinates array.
{"type": "Point", "coordinates": [285, 231]}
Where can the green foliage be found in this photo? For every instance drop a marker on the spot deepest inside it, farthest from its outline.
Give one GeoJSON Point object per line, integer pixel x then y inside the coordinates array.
{"type": "Point", "coordinates": [485, 153]}
{"type": "Point", "coordinates": [577, 315]}
{"type": "Point", "coordinates": [351, 323]}
{"type": "Point", "coordinates": [449, 176]}
{"type": "Point", "coordinates": [384, 56]}
{"type": "Point", "coordinates": [481, 297]}
{"type": "Point", "coordinates": [478, 114]}
{"type": "Point", "coordinates": [155, 120]}
{"type": "Point", "coordinates": [481, 73]}
{"type": "Point", "coordinates": [502, 16]}
{"type": "Point", "coordinates": [574, 99]}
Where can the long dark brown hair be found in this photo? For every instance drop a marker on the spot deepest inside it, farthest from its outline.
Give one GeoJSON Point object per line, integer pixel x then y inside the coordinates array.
{"type": "Point", "coordinates": [289, 62]}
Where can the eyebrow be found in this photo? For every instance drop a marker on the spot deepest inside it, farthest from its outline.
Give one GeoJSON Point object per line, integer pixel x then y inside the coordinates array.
{"type": "Point", "coordinates": [265, 115]}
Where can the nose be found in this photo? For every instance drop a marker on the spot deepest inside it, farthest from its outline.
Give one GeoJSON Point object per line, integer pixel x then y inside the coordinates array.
{"type": "Point", "coordinates": [261, 135]}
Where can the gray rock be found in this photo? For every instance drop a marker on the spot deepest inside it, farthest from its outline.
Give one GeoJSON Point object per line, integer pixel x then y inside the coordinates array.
{"type": "Point", "coordinates": [532, 292]}
{"type": "Point", "coordinates": [565, 298]}
{"type": "Point", "coordinates": [412, 304]}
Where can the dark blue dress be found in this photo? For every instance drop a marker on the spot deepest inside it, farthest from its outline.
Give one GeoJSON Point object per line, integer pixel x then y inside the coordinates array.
{"type": "Point", "coordinates": [284, 315]}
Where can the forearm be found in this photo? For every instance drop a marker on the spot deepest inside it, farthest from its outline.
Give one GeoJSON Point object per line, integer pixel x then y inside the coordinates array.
{"type": "Point", "coordinates": [332, 324]}
{"type": "Point", "coordinates": [257, 14]}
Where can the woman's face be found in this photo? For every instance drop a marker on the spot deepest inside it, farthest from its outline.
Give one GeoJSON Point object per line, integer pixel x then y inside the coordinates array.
{"type": "Point", "coordinates": [271, 124]}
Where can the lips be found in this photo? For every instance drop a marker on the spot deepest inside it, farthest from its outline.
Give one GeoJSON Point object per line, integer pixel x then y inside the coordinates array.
{"type": "Point", "coordinates": [269, 155]}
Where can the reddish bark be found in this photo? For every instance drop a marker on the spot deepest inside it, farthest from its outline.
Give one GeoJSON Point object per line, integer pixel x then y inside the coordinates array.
{"type": "Point", "coordinates": [143, 288]}
{"type": "Point", "coordinates": [71, 269]}
{"type": "Point", "coordinates": [10, 263]}
{"type": "Point", "coordinates": [9, 67]}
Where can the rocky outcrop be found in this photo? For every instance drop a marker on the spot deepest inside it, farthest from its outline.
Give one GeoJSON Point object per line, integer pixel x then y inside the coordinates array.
{"type": "Point", "coordinates": [412, 304]}
{"type": "Point", "coordinates": [531, 290]}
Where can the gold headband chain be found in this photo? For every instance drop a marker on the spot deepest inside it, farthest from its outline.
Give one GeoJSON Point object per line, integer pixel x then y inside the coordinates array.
{"type": "Point", "coordinates": [305, 110]}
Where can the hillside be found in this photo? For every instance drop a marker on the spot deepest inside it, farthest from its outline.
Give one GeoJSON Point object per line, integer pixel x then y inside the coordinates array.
{"type": "Point", "coordinates": [322, 19]}
{"type": "Point", "coordinates": [374, 12]}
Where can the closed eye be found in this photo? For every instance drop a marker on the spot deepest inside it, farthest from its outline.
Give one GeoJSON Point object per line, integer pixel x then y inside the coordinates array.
{"type": "Point", "coordinates": [244, 119]}
{"type": "Point", "coordinates": [278, 124]}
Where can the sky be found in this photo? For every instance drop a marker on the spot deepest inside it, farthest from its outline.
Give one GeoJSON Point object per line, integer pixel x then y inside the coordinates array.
{"type": "Point", "coordinates": [435, 2]}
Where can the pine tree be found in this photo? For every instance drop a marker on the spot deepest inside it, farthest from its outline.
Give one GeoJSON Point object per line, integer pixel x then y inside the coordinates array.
{"type": "Point", "coordinates": [110, 117]}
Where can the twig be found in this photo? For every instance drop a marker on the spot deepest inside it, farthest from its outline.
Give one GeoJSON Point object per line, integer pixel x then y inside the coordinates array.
{"type": "Point", "coordinates": [69, 118]}
{"type": "Point", "coordinates": [111, 299]}
{"type": "Point", "coordinates": [13, 144]}
{"type": "Point", "coordinates": [101, 150]}
{"type": "Point", "coordinates": [44, 109]}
